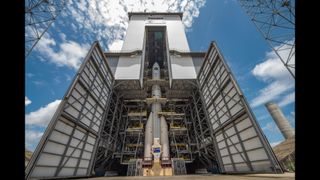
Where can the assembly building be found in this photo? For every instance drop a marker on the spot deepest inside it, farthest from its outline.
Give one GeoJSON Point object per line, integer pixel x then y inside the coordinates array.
{"type": "Point", "coordinates": [155, 108]}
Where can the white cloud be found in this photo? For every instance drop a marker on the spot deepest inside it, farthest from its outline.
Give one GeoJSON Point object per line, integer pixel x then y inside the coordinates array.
{"type": "Point", "coordinates": [57, 80]}
{"type": "Point", "coordinates": [116, 45]}
{"type": "Point", "coordinates": [69, 53]}
{"type": "Point", "coordinates": [271, 92]}
{"type": "Point", "coordinates": [107, 21]}
{"type": "Point", "coordinates": [27, 101]}
{"type": "Point", "coordinates": [63, 36]}
{"type": "Point", "coordinates": [32, 138]}
{"type": "Point", "coordinates": [271, 126]}
{"type": "Point", "coordinates": [30, 75]}
{"type": "Point", "coordinates": [288, 99]}
{"type": "Point", "coordinates": [280, 82]}
{"type": "Point", "coordinates": [270, 69]}
{"type": "Point", "coordinates": [43, 115]}
{"type": "Point", "coordinates": [38, 83]}
{"type": "Point", "coordinates": [68, 77]}
{"type": "Point", "coordinates": [273, 144]}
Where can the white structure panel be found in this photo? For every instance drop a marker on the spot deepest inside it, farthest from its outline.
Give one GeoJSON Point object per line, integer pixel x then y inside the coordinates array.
{"type": "Point", "coordinates": [257, 154]}
{"type": "Point", "coordinates": [44, 171]}
{"type": "Point", "coordinates": [55, 148]}
{"type": "Point", "coordinates": [226, 160]}
{"type": "Point", "coordinates": [232, 140]}
{"type": "Point", "coordinates": [64, 127]}
{"type": "Point", "coordinates": [228, 168]}
{"type": "Point", "coordinates": [128, 68]}
{"type": "Point", "coordinates": [222, 144]}
{"type": "Point", "coordinates": [81, 172]}
{"type": "Point", "coordinates": [113, 62]}
{"type": "Point", "coordinates": [252, 143]}
{"type": "Point", "coordinates": [59, 137]}
{"type": "Point", "coordinates": [49, 159]}
{"type": "Point", "coordinates": [242, 167]}
{"type": "Point", "coordinates": [245, 123]}
{"type": "Point", "coordinates": [70, 162]}
{"type": "Point", "coordinates": [84, 163]}
{"type": "Point", "coordinates": [261, 166]}
{"type": "Point", "coordinates": [248, 133]}
{"type": "Point", "coordinates": [224, 152]}
{"type": "Point", "coordinates": [76, 143]}
{"type": "Point", "coordinates": [235, 148]}
{"type": "Point", "coordinates": [197, 62]}
{"type": "Point", "coordinates": [66, 171]}
{"type": "Point", "coordinates": [86, 155]}
{"type": "Point", "coordinates": [134, 35]}
{"type": "Point", "coordinates": [237, 158]}
{"type": "Point", "coordinates": [73, 152]}
{"type": "Point", "coordinates": [176, 35]}
{"type": "Point", "coordinates": [182, 68]}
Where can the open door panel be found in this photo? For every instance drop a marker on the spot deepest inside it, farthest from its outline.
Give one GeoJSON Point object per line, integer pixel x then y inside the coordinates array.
{"type": "Point", "coordinates": [68, 146]}
{"type": "Point", "coordinates": [240, 143]}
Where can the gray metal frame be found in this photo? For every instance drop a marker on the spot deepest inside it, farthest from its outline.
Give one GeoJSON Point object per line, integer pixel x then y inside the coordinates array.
{"type": "Point", "coordinates": [275, 20]}
{"type": "Point", "coordinates": [238, 140]}
{"type": "Point", "coordinates": [39, 15]}
{"type": "Point", "coordinates": [202, 132]}
{"type": "Point", "coordinates": [111, 136]}
{"type": "Point", "coordinates": [68, 146]}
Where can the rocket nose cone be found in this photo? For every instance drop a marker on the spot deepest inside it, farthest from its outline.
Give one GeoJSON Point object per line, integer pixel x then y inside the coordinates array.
{"type": "Point", "coordinates": [155, 65]}
{"type": "Point", "coordinates": [155, 71]}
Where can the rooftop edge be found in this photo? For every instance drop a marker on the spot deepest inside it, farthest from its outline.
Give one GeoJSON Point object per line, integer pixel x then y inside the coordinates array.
{"type": "Point", "coordinates": [155, 13]}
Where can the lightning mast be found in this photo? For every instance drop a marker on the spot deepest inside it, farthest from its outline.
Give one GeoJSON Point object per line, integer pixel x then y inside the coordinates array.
{"type": "Point", "coordinates": [39, 15]}
{"type": "Point", "coordinates": [275, 19]}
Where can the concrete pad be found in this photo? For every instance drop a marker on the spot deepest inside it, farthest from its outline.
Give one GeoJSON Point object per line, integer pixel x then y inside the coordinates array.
{"type": "Point", "coordinates": [285, 176]}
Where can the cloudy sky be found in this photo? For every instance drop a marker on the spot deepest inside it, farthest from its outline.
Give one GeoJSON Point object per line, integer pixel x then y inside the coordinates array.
{"type": "Point", "coordinates": [53, 63]}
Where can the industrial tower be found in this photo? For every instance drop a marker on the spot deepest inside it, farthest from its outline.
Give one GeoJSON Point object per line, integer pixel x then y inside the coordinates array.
{"type": "Point", "coordinates": [153, 109]}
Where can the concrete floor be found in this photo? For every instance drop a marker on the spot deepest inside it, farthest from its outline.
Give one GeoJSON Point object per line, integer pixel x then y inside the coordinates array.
{"type": "Point", "coordinates": [285, 176]}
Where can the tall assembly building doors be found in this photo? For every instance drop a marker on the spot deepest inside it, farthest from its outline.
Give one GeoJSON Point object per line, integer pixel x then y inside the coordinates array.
{"type": "Point", "coordinates": [240, 143]}
{"type": "Point", "coordinates": [67, 148]}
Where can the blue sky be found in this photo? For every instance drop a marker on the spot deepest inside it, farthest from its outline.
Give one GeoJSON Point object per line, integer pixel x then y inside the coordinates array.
{"type": "Point", "coordinates": [51, 66]}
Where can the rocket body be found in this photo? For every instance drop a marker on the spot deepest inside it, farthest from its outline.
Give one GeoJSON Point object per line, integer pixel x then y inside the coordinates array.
{"type": "Point", "coordinates": [156, 130]}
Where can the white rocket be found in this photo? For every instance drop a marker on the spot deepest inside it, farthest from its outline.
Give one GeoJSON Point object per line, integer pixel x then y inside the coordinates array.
{"type": "Point", "coordinates": [156, 127]}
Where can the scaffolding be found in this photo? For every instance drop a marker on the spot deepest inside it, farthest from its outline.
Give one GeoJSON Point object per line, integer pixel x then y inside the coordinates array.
{"type": "Point", "coordinates": [178, 130]}
{"type": "Point", "coordinates": [135, 167]}
{"type": "Point", "coordinates": [133, 139]}
{"type": "Point", "coordinates": [178, 166]}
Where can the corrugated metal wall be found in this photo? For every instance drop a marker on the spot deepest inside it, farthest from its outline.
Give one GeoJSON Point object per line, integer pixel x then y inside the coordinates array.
{"type": "Point", "coordinates": [68, 146]}
{"type": "Point", "coordinates": [242, 146]}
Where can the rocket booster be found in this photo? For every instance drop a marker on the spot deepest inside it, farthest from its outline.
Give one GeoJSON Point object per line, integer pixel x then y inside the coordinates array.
{"type": "Point", "coordinates": [156, 127]}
